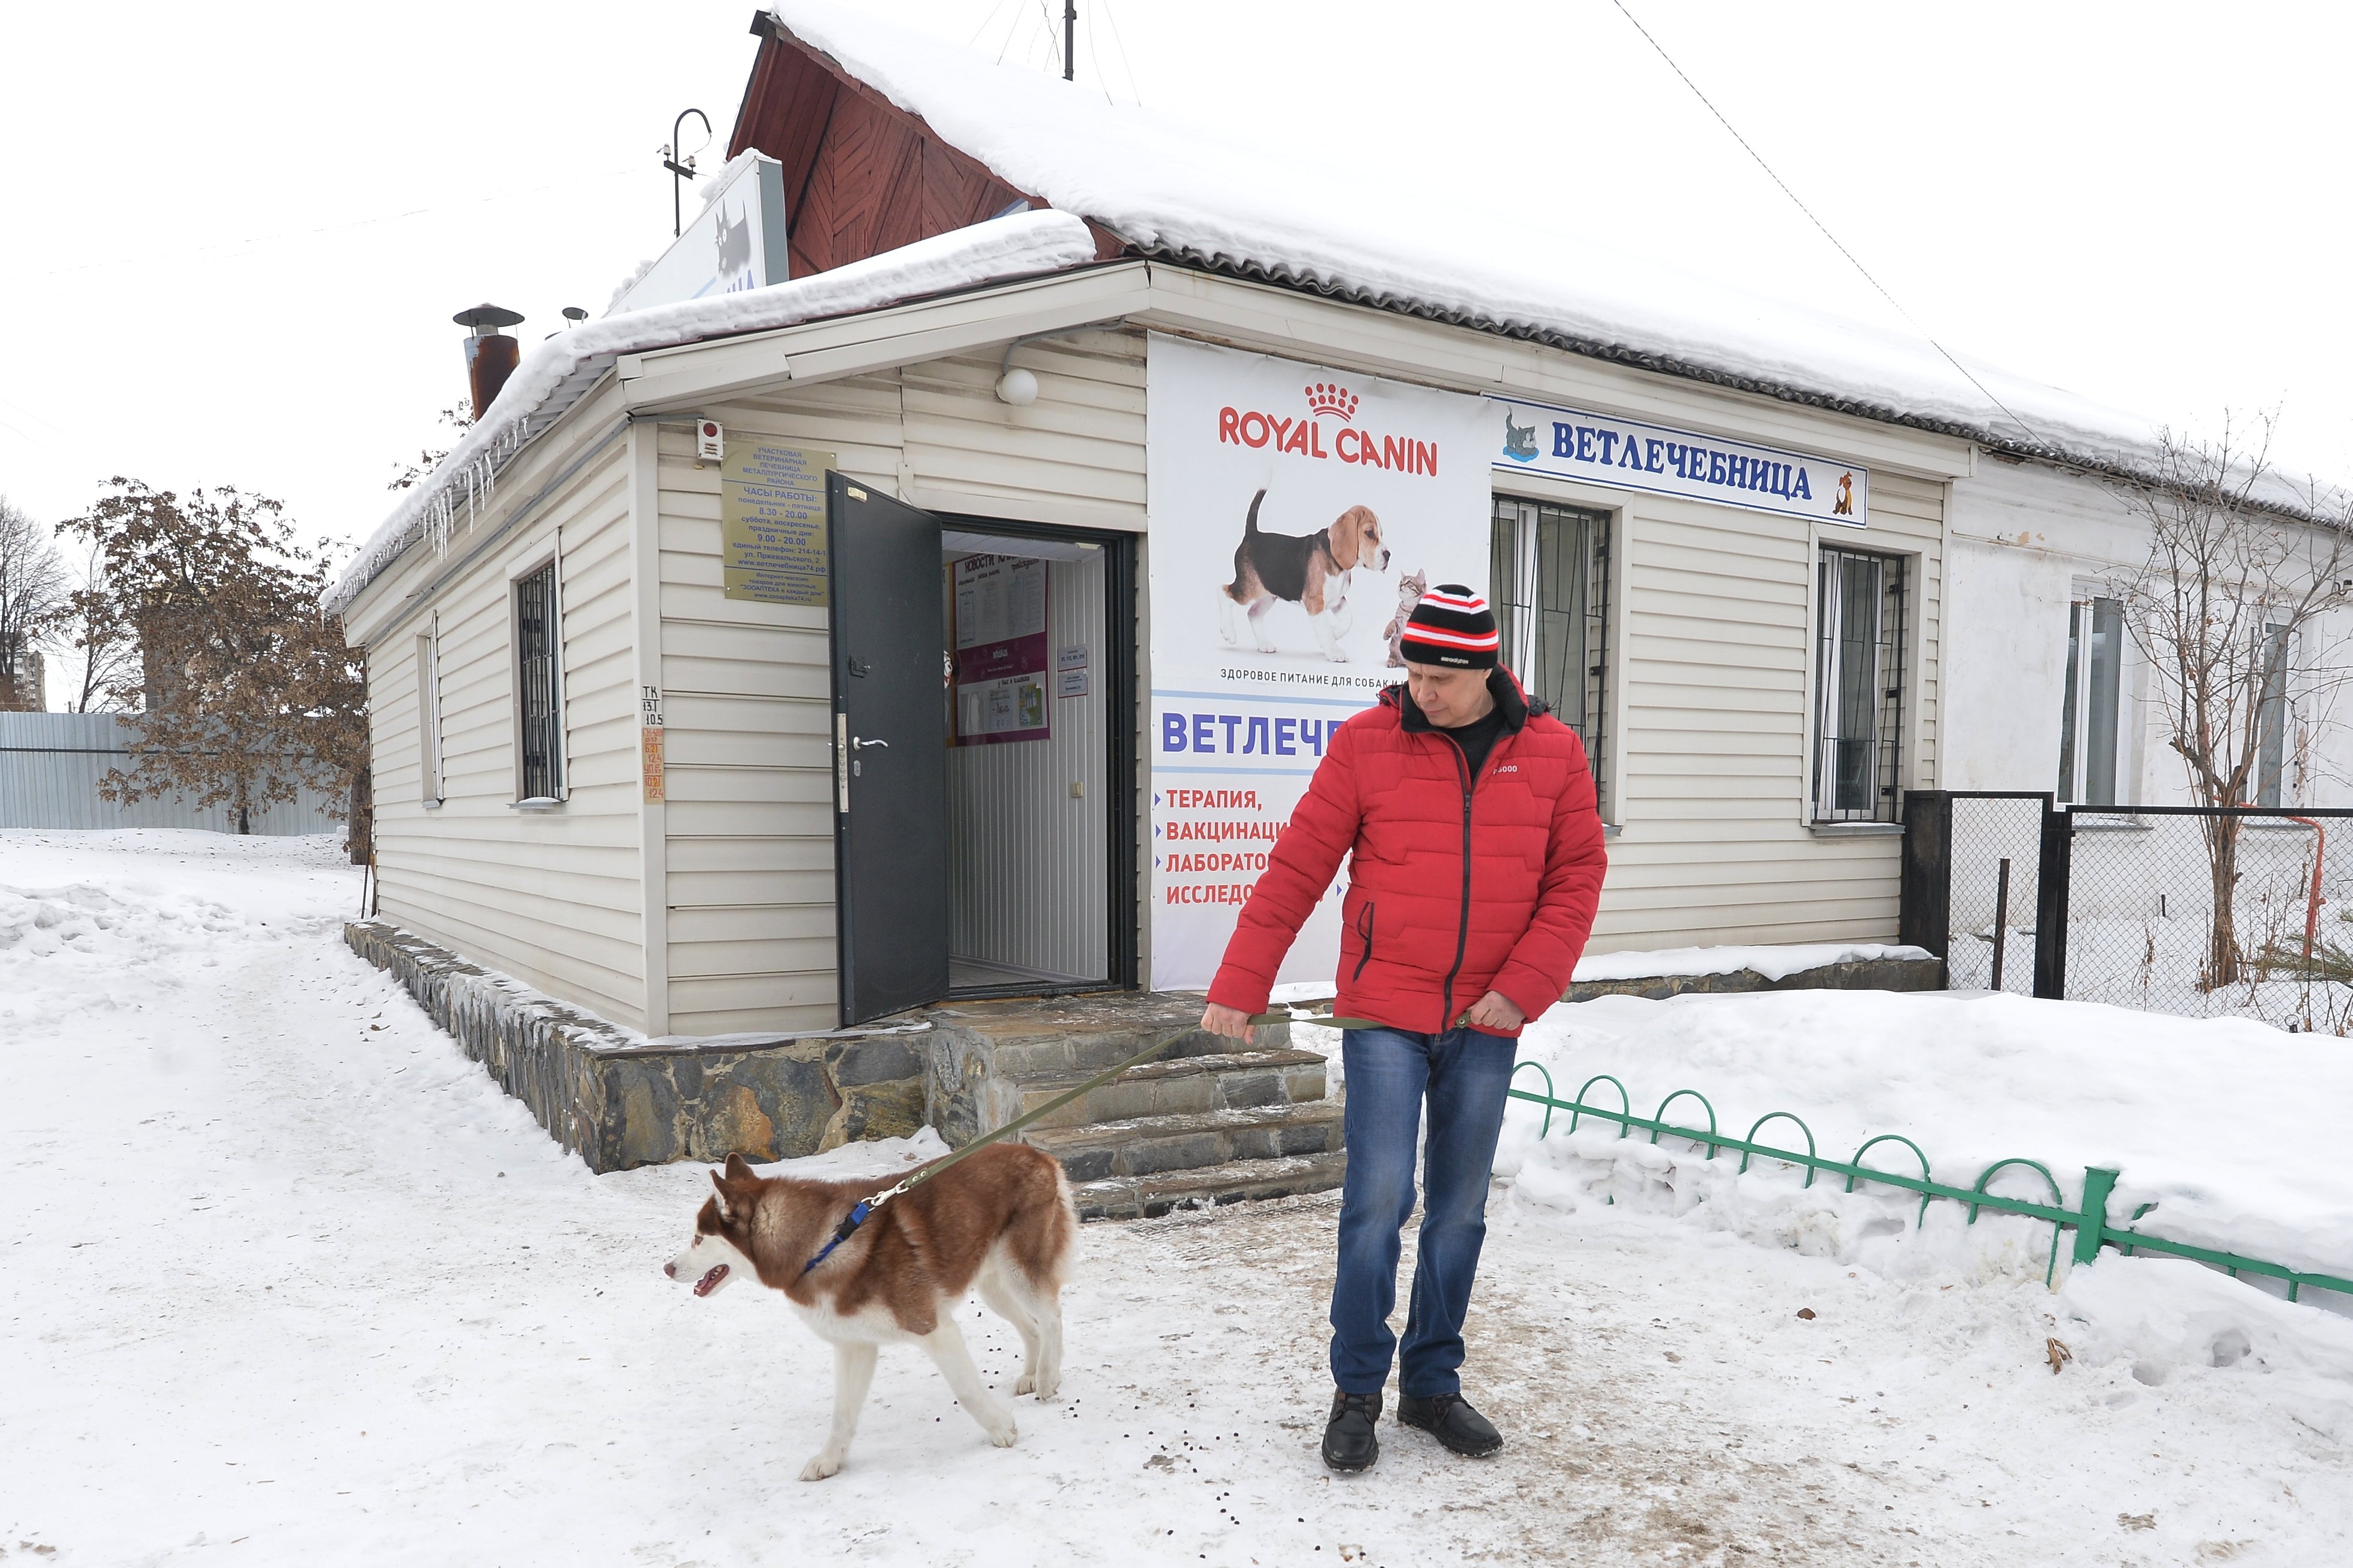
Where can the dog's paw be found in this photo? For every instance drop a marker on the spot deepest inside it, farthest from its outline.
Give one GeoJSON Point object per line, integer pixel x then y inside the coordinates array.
{"type": "Point", "coordinates": [1003, 1436]}
{"type": "Point", "coordinates": [1048, 1390]}
{"type": "Point", "coordinates": [1026, 1383]}
{"type": "Point", "coordinates": [824, 1464]}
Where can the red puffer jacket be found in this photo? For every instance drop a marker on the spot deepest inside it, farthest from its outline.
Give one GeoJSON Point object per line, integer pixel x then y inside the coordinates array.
{"type": "Point", "coordinates": [1456, 889]}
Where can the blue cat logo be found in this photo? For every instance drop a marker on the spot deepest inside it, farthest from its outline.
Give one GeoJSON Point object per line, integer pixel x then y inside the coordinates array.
{"type": "Point", "coordinates": [1519, 440]}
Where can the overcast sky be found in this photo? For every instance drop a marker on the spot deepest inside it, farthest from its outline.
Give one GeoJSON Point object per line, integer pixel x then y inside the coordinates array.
{"type": "Point", "coordinates": [235, 234]}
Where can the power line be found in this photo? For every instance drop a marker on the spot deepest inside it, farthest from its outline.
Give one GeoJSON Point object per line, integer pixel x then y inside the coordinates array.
{"type": "Point", "coordinates": [1818, 224]}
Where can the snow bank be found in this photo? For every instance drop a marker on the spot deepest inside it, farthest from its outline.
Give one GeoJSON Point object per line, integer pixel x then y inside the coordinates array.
{"type": "Point", "coordinates": [558, 373]}
{"type": "Point", "coordinates": [2220, 1124]}
{"type": "Point", "coordinates": [1180, 188]}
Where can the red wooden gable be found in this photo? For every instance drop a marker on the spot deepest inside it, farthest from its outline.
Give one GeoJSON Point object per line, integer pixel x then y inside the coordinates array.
{"type": "Point", "coordinates": [861, 174]}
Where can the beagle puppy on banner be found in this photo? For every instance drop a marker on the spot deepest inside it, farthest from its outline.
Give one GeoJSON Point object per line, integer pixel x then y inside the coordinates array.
{"type": "Point", "coordinates": [1311, 572]}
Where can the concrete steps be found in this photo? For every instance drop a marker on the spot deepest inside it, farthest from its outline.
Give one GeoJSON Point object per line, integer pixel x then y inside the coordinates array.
{"type": "Point", "coordinates": [1201, 1123]}
{"type": "Point", "coordinates": [1155, 1145]}
{"type": "Point", "coordinates": [1188, 1085]}
{"type": "Point", "coordinates": [1148, 1197]}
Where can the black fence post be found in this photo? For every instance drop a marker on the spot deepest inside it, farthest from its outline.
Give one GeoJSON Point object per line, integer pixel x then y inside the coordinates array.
{"type": "Point", "coordinates": [1925, 901]}
{"type": "Point", "coordinates": [2050, 902]}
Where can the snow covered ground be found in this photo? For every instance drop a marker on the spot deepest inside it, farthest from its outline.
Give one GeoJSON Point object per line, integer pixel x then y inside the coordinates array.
{"type": "Point", "coordinates": [288, 1280]}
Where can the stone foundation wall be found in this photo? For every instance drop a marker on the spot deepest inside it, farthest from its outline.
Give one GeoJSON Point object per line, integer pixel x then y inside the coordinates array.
{"type": "Point", "coordinates": [621, 1101]}
{"type": "Point", "coordinates": [1856, 975]}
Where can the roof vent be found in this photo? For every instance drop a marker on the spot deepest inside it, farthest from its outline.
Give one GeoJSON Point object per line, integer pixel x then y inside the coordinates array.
{"type": "Point", "coordinates": [490, 355]}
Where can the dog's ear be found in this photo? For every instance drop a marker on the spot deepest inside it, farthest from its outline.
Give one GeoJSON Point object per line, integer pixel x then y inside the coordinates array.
{"type": "Point", "coordinates": [1346, 534]}
{"type": "Point", "coordinates": [720, 1181]}
{"type": "Point", "coordinates": [739, 1169]}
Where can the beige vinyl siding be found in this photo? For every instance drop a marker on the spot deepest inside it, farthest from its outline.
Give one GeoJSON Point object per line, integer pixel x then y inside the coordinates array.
{"type": "Point", "coordinates": [1074, 455]}
{"type": "Point", "coordinates": [747, 687]}
{"type": "Point", "coordinates": [551, 897]}
{"type": "Point", "coordinates": [1714, 665]}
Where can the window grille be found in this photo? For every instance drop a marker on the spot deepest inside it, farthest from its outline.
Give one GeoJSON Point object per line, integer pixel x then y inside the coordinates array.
{"type": "Point", "coordinates": [1859, 687]}
{"type": "Point", "coordinates": [539, 685]}
{"type": "Point", "coordinates": [1548, 572]}
{"type": "Point", "coordinates": [2087, 719]}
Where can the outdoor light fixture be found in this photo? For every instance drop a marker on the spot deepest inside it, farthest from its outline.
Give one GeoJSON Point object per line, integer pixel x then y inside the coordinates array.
{"type": "Point", "coordinates": [1018, 387]}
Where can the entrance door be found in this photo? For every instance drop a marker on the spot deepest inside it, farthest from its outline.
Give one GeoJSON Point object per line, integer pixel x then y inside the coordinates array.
{"type": "Point", "coordinates": [890, 736]}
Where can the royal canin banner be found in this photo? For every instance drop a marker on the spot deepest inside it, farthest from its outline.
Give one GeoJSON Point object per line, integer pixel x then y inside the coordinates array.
{"type": "Point", "coordinates": [1296, 515]}
{"type": "Point", "coordinates": [1626, 454]}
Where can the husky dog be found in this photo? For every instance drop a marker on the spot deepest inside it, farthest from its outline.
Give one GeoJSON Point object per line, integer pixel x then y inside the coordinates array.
{"type": "Point", "coordinates": [1311, 570]}
{"type": "Point", "coordinates": [1001, 1220]}
{"type": "Point", "coordinates": [1409, 593]}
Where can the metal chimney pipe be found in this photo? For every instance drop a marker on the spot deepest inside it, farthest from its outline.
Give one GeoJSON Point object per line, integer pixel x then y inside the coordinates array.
{"type": "Point", "coordinates": [491, 356]}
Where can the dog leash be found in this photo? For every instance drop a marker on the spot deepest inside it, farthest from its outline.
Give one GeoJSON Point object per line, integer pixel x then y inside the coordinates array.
{"type": "Point", "coordinates": [861, 1211]}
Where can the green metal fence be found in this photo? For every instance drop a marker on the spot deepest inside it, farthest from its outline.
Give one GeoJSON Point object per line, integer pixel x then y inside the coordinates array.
{"type": "Point", "coordinates": [2090, 1222]}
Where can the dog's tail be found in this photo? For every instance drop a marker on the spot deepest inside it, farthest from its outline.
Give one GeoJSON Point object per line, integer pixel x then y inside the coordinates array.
{"type": "Point", "coordinates": [1249, 525]}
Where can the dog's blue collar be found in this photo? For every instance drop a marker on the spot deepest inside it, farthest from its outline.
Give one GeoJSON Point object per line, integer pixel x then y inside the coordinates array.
{"type": "Point", "coordinates": [841, 1233]}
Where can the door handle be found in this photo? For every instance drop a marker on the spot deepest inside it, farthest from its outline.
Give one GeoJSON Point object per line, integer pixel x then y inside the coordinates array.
{"type": "Point", "coordinates": [858, 746]}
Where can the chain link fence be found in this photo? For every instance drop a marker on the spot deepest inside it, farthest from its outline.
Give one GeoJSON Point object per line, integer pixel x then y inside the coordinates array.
{"type": "Point", "coordinates": [2146, 928]}
{"type": "Point", "coordinates": [1996, 881]}
{"type": "Point", "coordinates": [2120, 906]}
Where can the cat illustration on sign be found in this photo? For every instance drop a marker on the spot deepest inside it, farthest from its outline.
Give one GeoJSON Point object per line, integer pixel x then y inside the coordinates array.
{"type": "Point", "coordinates": [734, 245]}
{"type": "Point", "coordinates": [1409, 593]}
{"type": "Point", "coordinates": [1519, 440]}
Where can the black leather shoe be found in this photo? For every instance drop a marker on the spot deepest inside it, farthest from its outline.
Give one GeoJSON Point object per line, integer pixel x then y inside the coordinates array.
{"type": "Point", "coordinates": [1350, 1441]}
{"type": "Point", "coordinates": [1448, 1419]}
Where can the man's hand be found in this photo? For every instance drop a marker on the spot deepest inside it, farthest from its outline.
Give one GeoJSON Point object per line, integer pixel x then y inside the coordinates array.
{"type": "Point", "coordinates": [1495, 1014]}
{"type": "Point", "coordinates": [1220, 1020]}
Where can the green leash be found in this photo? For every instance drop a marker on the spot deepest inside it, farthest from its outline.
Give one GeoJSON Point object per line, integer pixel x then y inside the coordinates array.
{"type": "Point", "coordinates": [862, 1211]}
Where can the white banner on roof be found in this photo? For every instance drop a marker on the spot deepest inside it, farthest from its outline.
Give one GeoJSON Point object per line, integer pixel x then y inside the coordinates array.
{"type": "Point", "coordinates": [1603, 449]}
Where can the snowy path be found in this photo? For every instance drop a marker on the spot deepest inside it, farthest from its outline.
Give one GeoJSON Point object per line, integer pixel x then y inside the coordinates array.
{"type": "Point", "coordinates": [289, 1281]}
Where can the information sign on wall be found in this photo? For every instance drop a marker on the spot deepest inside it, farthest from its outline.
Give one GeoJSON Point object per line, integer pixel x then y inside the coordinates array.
{"type": "Point", "coordinates": [1287, 502]}
{"type": "Point", "coordinates": [1001, 653]}
{"type": "Point", "coordinates": [772, 522]}
{"type": "Point", "coordinates": [1629, 455]}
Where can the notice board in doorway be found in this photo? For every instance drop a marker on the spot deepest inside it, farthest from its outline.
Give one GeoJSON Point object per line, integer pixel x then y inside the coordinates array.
{"type": "Point", "coordinates": [772, 522]}
{"type": "Point", "coordinates": [1001, 656]}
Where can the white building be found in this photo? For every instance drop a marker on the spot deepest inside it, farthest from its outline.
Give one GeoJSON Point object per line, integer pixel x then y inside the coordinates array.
{"type": "Point", "coordinates": [1778, 572]}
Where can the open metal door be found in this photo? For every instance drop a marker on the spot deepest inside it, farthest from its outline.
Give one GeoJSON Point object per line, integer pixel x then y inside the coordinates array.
{"type": "Point", "coordinates": [890, 740]}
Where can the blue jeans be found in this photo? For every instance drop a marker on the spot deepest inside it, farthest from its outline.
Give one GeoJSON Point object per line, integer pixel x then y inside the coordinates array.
{"type": "Point", "coordinates": [1464, 1074]}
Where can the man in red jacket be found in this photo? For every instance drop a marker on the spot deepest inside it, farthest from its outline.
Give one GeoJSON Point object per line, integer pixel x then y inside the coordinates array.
{"type": "Point", "coordinates": [1476, 860]}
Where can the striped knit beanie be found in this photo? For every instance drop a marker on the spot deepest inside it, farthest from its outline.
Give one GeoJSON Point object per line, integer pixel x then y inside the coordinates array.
{"type": "Point", "coordinates": [1451, 626]}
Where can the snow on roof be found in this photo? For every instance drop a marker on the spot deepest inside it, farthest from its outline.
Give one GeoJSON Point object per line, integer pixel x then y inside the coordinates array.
{"type": "Point", "coordinates": [1176, 189]}
{"type": "Point", "coordinates": [559, 371]}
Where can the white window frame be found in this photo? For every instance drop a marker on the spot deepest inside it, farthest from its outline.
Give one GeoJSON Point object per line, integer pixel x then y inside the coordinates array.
{"type": "Point", "coordinates": [2076, 698]}
{"type": "Point", "coordinates": [432, 782]}
{"type": "Point", "coordinates": [560, 748]}
{"type": "Point", "coordinates": [2283, 789]}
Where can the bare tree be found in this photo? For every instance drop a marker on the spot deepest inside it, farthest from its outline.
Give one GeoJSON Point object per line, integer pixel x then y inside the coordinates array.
{"type": "Point", "coordinates": [456, 418]}
{"type": "Point", "coordinates": [95, 627]}
{"type": "Point", "coordinates": [2224, 609]}
{"type": "Point", "coordinates": [33, 588]}
{"type": "Point", "coordinates": [245, 692]}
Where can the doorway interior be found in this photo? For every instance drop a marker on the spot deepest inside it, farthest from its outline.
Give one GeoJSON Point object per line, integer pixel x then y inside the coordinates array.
{"type": "Point", "coordinates": [1037, 641]}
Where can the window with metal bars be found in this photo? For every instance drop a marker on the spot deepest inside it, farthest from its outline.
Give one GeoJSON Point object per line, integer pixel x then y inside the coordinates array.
{"type": "Point", "coordinates": [539, 686]}
{"type": "Point", "coordinates": [1858, 686]}
{"type": "Point", "coordinates": [1548, 581]}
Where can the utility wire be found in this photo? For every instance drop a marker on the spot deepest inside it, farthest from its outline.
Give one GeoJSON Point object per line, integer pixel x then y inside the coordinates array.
{"type": "Point", "coordinates": [1818, 224]}
{"type": "Point", "coordinates": [1121, 45]}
